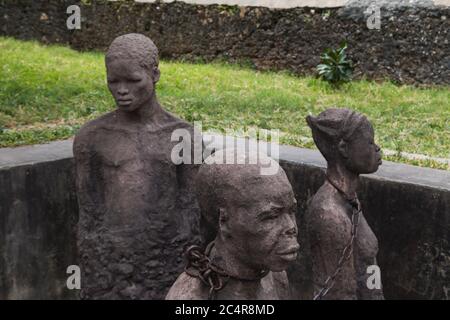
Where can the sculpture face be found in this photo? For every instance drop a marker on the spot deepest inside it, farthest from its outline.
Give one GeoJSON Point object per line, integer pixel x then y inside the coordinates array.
{"type": "Point", "coordinates": [130, 84]}
{"type": "Point", "coordinates": [263, 234]}
{"type": "Point", "coordinates": [363, 155]}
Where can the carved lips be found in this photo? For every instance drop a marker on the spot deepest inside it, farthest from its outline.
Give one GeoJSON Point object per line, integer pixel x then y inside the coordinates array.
{"type": "Point", "coordinates": [289, 254]}
{"type": "Point", "coordinates": [124, 102]}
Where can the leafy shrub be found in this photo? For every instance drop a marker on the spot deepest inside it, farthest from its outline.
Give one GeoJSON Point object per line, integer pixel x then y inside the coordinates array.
{"type": "Point", "coordinates": [335, 68]}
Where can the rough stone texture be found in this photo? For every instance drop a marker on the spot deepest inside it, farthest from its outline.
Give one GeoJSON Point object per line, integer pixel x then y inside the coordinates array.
{"type": "Point", "coordinates": [409, 211]}
{"type": "Point", "coordinates": [265, 3]}
{"type": "Point", "coordinates": [411, 47]}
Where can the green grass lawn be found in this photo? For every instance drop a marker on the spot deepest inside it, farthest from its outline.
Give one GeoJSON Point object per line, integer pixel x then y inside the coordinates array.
{"type": "Point", "coordinates": [47, 92]}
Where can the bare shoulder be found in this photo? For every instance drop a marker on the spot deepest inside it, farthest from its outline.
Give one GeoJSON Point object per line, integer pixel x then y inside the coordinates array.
{"type": "Point", "coordinates": [90, 128]}
{"type": "Point", "coordinates": [326, 216]}
{"type": "Point", "coordinates": [187, 287]}
{"type": "Point", "coordinates": [281, 283]}
{"type": "Point", "coordinates": [325, 207]}
{"type": "Point", "coordinates": [281, 279]}
{"type": "Point", "coordinates": [172, 121]}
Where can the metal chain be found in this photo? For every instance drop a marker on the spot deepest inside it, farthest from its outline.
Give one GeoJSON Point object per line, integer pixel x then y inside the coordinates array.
{"type": "Point", "coordinates": [348, 249]}
{"type": "Point", "coordinates": [200, 266]}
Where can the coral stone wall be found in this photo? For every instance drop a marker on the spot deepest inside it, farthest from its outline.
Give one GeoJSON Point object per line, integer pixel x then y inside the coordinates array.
{"type": "Point", "coordinates": [412, 45]}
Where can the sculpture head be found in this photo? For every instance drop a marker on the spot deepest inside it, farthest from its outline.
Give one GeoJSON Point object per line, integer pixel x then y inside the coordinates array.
{"type": "Point", "coordinates": [253, 214]}
{"type": "Point", "coordinates": [132, 71]}
{"type": "Point", "coordinates": [345, 137]}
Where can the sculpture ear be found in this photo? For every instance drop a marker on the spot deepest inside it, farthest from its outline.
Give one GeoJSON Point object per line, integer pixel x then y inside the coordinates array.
{"type": "Point", "coordinates": [223, 222]}
{"type": "Point", "coordinates": [343, 149]}
{"type": "Point", "coordinates": [155, 74]}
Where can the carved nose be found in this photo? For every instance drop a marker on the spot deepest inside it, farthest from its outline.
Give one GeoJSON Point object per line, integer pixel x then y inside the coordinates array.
{"type": "Point", "coordinates": [291, 232]}
{"type": "Point", "coordinates": [122, 91]}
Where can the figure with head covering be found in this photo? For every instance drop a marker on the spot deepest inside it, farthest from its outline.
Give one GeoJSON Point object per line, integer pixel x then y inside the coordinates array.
{"type": "Point", "coordinates": [342, 244]}
{"type": "Point", "coordinates": [137, 209]}
{"type": "Point", "coordinates": [253, 218]}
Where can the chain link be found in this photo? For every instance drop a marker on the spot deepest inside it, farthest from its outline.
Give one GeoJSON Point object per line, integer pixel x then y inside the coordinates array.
{"type": "Point", "coordinates": [200, 266]}
{"type": "Point", "coordinates": [346, 252]}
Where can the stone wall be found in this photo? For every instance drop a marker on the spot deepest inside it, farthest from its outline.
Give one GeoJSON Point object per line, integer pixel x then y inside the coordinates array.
{"type": "Point", "coordinates": [411, 47]}
{"type": "Point", "coordinates": [409, 211]}
{"type": "Point", "coordinates": [265, 3]}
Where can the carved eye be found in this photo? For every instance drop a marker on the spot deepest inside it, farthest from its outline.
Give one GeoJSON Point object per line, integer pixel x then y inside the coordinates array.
{"type": "Point", "coordinates": [269, 217]}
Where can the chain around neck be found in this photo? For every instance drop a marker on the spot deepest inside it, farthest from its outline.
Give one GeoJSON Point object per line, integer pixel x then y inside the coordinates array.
{"type": "Point", "coordinates": [200, 265]}
{"type": "Point", "coordinates": [353, 200]}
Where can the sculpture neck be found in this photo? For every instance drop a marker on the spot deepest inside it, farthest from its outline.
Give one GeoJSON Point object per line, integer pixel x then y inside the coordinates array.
{"type": "Point", "coordinates": [232, 265]}
{"type": "Point", "coordinates": [145, 113]}
{"type": "Point", "coordinates": [343, 179]}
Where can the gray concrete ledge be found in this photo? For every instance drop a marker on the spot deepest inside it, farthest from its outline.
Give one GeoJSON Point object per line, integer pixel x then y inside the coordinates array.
{"type": "Point", "coordinates": [389, 171]}
{"type": "Point", "coordinates": [29, 155]}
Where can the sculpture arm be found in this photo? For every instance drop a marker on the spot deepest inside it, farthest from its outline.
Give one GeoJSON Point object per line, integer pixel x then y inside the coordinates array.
{"type": "Point", "coordinates": [328, 237]}
{"type": "Point", "coordinates": [367, 252]}
{"type": "Point", "coordinates": [187, 288]}
{"type": "Point", "coordinates": [188, 208]}
{"type": "Point", "coordinates": [86, 176]}
{"type": "Point", "coordinates": [364, 293]}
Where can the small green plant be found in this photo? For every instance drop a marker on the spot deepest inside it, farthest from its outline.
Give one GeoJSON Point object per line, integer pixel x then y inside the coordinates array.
{"type": "Point", "coordinates": [229, 9]}
{"type": "Point", "coordinates": [335, 68]}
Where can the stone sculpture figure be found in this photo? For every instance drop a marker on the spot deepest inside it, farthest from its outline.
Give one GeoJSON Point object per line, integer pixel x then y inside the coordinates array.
{"type": "Point", "coordinates": [346, 140]}
{"type": "Point", "coordinates": [253, 216]}
{"type": "Point", "coordinates": [137, 209]}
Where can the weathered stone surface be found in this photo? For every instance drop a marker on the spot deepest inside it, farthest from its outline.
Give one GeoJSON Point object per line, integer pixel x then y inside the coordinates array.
{"type": "Point", "coordinates": [342, 244]}
{"type": "Point", "coordinates": [411, 47]}
{"type": "Point", "coordinates": [136, 204]}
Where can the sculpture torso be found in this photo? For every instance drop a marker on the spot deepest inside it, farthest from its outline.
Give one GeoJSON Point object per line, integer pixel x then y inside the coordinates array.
{"type": "Point", "coordinates": [328, 221]}
{"type": "Point", "coordinates": [137, 210]}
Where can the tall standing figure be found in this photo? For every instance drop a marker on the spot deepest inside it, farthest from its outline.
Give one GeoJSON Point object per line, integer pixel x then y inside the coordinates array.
{"type": "Point", "coordinates": [137, 207]}
{"type": "Point", "coordinates": [342, 244]}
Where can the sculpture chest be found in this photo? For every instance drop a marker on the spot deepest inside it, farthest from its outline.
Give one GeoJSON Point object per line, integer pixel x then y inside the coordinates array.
{"type": "Point", "coordinates": [138, 177]}
{"type": "Point", "coordinates": [145, 213]}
